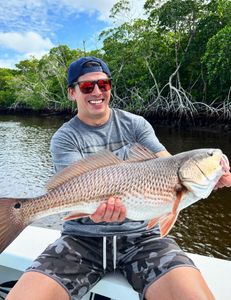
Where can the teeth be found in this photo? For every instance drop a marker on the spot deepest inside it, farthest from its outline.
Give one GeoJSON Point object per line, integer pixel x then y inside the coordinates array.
{"type": "Point", "coordinates": [96, 101]}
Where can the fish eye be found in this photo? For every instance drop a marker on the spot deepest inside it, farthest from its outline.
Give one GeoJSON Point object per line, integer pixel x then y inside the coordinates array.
{"type": "Point", "coordinates": [210, 153]}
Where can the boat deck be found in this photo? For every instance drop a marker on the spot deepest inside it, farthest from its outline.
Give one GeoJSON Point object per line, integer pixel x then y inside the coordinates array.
{"type": "Point", "coordinates": [33, 240]}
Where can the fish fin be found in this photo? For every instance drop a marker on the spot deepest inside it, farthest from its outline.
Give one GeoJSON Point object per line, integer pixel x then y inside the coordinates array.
{"type": "Point", "coordinates": [152, 223]}
{"type": "Point", "coordinates": [11, 221]}
{"type": "Point", "coordinates": [140, 153]}
{"type": "Point", "coordinates": [101, 159]}
{"type": "Point", "coordinates": [179, 196]}
{"type": "Point", "coordinates": [75, 215]}
{"type": "Point", "coordinates": [166, 223]}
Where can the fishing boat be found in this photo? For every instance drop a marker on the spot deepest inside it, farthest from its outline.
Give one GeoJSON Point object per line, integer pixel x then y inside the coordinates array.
{"type": "Point", "coordinates": [33, 240]}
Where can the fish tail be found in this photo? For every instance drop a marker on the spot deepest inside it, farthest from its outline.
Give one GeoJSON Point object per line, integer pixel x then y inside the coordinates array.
{"type": "Point", "coordinates": [11, 220]}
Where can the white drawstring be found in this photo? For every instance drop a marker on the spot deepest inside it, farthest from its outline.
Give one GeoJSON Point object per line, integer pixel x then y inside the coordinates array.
{"type": "Point", "coordinates": [104, 252]}
{"type": "Point", "coordinates": [114, 252]}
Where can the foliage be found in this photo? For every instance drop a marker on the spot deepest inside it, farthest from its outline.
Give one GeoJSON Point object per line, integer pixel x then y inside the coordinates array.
{"type": "Point", "coordinates": [7, 96]}
{"type": "Point", "coordinates": [42, 83]}
{"type": "Point", "coordinates": [217, 59]}
{"type": "Point", "coordinates": [176, 60]}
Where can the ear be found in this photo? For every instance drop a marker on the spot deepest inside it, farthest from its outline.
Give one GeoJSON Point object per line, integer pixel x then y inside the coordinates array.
{"type": "Point", "coordinates": [71, 93]}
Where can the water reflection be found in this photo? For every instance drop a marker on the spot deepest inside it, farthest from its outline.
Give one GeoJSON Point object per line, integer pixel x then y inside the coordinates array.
{"type": "Point", "coordinates": [204, 227]}
{"type": "Point", "coordinates": [25, 167]}
{"type": "Point", "coordinates": [25, 162]}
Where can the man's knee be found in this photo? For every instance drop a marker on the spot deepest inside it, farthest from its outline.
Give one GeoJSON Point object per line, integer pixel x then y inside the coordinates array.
{"type": "Point", "coordinates": [181, 283]}
{"type": "Point", "coordinates": [37, 286]}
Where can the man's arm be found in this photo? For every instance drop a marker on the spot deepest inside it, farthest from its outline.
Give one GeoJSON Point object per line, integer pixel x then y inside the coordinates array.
{"type": "Point", "coordinates": [163, 153]}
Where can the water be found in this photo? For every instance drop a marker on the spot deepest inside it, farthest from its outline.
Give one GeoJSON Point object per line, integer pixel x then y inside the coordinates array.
{"type": "Point", "coordinates": [25, 167]}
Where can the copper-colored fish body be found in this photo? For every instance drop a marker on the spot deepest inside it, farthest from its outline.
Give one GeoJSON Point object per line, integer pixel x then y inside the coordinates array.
{"type": "Point", "coordinates": [151, 188]}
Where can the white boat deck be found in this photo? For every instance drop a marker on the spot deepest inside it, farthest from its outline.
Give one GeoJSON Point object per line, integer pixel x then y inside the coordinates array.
{"type": "Point", "coordinates": [33, 240]}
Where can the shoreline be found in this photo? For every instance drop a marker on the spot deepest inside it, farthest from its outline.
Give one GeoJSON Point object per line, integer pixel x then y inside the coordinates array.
{"type": "Point", "coordinates": [199, 123]}
{"type": "Point", "coordinates": [170, 120]}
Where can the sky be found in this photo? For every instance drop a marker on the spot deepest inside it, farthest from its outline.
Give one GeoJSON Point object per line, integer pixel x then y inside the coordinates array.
{"type": "Point", "coordinates": [32, 27]}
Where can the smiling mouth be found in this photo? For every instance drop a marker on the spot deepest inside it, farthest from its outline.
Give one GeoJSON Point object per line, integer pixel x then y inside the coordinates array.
{"type": "Point", "coordinates": [96, 101]}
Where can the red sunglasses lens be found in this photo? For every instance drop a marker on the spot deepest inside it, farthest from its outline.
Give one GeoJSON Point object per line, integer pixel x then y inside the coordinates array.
{"type": "Point", "coordinates": [87, 87]}
{"type": "Point", "coordinates": [104, 85]}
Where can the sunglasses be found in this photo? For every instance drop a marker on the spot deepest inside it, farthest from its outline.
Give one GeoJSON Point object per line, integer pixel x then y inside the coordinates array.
{"type": "Point", "coordinates": [87, 87]}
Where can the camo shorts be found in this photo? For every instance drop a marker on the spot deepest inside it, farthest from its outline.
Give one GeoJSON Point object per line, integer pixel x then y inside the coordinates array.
{"type": "Point", "coordinates": [77, 263]}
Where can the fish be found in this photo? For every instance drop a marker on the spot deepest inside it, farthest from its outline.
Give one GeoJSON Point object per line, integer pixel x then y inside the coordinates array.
{"type": "Point", "coordinates": [151, 188]}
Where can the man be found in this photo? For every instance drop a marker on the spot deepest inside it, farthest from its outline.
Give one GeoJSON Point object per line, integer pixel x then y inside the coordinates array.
{"type": "Point", "coordinates": [89, 247]}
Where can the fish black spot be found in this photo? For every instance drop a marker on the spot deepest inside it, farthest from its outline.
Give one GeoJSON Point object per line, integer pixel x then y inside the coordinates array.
{"type": "Point", "coordinates": [178, 187]}
{"type": "Point", "coordinates": [210, 153]}
{"type": "Point", "coordinates": [17, 205]}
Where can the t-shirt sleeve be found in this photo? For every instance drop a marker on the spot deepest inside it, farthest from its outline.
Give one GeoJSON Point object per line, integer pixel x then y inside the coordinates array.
{"type": "Point", "coordinates": [63, 151]}
{"type": "Point", "coordinates": [145, 135]}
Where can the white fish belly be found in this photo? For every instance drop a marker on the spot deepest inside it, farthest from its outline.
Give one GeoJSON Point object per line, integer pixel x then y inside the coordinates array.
{"type": "Point", "coordinates": [88, 208]}
{"type": "Point", "coordinates": [139, 208]}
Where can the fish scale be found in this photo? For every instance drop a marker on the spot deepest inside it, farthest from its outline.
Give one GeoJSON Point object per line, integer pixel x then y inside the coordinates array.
{"type": "Point", "coordinates": [148, 184]}
{"type": "Point", "coordinates": [151, 188]}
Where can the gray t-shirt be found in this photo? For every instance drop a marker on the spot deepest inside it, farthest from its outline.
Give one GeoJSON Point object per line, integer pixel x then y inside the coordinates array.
{"type": "Point", "coordinates": [76, 140]}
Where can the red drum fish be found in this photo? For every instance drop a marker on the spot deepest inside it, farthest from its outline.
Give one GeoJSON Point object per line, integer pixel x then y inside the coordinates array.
{"type": "Point", "coordinates": [151, 188]}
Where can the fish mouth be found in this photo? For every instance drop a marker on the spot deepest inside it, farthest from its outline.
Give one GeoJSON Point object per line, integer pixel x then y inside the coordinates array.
{"type": "Point", "coordinates": [224, 162]}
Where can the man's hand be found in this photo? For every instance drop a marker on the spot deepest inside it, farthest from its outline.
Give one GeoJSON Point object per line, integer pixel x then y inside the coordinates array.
{"type": "Point", "coordinates": [225, 180]}
{"type": "Point", "coordinates": [111, 211]}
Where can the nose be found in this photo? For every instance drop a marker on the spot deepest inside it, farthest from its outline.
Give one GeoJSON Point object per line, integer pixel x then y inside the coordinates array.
{"type": "Point", "coordinates": [96, 90]}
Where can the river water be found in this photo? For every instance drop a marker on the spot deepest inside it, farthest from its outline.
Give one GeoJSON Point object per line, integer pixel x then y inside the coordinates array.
{"type": "Point", "coordinates": [25, 167]}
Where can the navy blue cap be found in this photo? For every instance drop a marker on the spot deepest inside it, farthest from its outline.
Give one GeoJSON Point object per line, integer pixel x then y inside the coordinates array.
{"type": "Point", "coordinates": [77, 68]}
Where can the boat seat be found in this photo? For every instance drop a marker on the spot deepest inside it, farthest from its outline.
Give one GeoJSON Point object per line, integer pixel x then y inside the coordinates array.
{"type": "Point", "coordinates": [32, 241]}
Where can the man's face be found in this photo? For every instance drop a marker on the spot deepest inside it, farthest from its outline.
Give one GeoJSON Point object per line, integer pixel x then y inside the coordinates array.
{"type": "Point", "coordinates": [95, 105]}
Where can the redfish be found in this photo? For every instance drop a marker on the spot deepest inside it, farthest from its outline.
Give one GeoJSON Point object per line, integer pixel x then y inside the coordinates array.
{"type": "Point", "coordinates": [151, 188]}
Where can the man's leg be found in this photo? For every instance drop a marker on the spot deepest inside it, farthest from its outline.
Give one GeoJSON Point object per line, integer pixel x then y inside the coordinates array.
{"type": "Point", "coordinates": [67, 268]}
{"type": "Point", "coordinates": [37, 286]}
{"type": "Point", "coordinates": [158, 269]}
{"type": "Point", "coordinates": [181, 283]}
